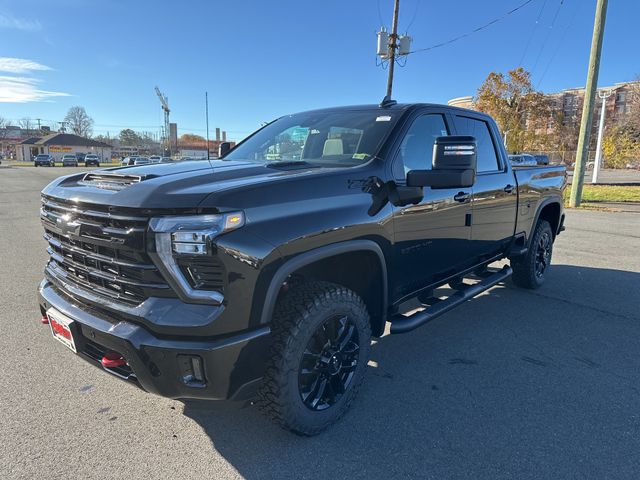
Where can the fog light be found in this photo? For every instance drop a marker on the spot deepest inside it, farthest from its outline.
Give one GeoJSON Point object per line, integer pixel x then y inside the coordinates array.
{"type": "Point", "coordinates": [191, 370]}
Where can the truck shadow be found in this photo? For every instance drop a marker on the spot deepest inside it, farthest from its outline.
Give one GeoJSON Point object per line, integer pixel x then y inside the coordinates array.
{"type": "Point", "coordinates": [511, 382]}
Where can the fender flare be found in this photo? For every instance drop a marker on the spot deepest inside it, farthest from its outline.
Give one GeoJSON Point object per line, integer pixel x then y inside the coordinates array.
{"type": "Point", "coordinates": [541, 206]}
{"type": "Point", "coordinates": [307, 258]}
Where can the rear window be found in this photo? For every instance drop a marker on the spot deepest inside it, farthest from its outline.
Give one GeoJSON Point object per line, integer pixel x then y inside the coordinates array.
{"type": "Point", "coordinates": [486, 153]}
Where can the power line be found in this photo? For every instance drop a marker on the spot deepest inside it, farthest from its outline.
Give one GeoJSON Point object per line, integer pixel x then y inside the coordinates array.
{"type": "Point", "coordinates": [459, 37]}
{"type": "Point", "coordinates": [560, 42]}
{"type": "Point", "coordinates": [533, 31]}
{"type": "Point", "coordinates": [553, 22]}
{"type": "Point", "coordinates": [415, 14]}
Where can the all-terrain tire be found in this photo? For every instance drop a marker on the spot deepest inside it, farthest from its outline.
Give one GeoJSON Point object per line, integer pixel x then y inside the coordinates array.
{"type": "Point", "coordinates": [529, 270]}
{"type": "Point", "coordinates": [299, 315]}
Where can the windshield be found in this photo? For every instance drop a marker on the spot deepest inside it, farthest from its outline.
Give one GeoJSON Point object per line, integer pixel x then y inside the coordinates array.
{"type": "Point", "coordinates": [333, 139]}
{"type": "Point", "coordinates": [42, 156]}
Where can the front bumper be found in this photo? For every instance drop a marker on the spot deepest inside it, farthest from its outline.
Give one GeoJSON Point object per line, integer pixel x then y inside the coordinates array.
{"type": "Point", "coordinates": [232, 365]}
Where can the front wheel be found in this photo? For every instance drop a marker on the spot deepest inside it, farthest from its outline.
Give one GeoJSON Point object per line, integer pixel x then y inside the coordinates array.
{"type": "Point", "coordinates": [530, 269]}
{"type": "Point", "coordinates": [318, 359]}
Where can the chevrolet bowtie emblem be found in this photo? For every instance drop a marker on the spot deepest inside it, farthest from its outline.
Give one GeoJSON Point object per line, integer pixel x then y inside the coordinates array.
{"type": "Point", "coordinates": [67, 225]}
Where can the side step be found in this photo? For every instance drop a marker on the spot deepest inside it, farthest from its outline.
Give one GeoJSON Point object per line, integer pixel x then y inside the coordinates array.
{"type": "Point", "coordinates": [402, 324]}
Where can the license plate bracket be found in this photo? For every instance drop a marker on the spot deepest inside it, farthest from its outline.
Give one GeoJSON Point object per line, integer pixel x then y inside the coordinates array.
{"type": "Point", "coordinates": [62, 328]}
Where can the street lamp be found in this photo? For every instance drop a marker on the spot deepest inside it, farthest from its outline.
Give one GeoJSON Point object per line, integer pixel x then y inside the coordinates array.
{"type": "Point", "coordinates": [596, 164]}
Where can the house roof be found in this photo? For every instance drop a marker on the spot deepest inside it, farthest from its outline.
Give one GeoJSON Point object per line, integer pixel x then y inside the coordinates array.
{"type": "Point", "coordinates": [30, 140]}
{"type": "Point", "coordinates": [67, 139]}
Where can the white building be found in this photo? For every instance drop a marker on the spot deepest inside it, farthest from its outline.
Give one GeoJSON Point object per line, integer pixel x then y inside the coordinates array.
{"type": "Point", "coordinates": [57, 144]}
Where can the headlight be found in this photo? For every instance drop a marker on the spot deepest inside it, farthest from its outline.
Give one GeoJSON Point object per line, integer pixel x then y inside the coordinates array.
{"type": "Point", "coordinates": [189, 235]}
{"type": "Point", "coordinates": [192, 234]}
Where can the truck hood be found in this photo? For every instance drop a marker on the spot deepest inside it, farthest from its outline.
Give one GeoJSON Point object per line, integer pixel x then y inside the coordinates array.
{"type": "Point", "coordinates": [180, 185]}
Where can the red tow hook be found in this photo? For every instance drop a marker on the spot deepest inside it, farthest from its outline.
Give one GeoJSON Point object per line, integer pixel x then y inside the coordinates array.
{"type": "Point", "coordinates": [44, 320]}
{"type": "Point", "coordinates": [113, 360]}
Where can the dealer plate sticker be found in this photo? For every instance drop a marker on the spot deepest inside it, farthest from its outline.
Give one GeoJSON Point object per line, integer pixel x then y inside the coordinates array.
{"type": "Point", "coordinates": [61, 328]}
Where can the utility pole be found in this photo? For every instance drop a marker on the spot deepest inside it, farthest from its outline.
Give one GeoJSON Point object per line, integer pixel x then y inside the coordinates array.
{"type": "Point", "coordinates": [206, 101]}
{"type": "Point", "coordinates": [596, 163]}
{"type": "Point", "coordinates": [582, 154]}
{"type": "Point", "coordinates": [393, 37]}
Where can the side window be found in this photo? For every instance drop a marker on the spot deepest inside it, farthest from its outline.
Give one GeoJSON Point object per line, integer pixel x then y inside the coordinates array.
{"type": "Point", "coordinates": [416, 150]}
{"type": "Point", "coordinates": [487, 158]}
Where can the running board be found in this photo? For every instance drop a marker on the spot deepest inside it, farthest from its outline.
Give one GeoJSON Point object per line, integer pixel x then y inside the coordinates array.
{"type": "Point", "coordinates": [402, 324]}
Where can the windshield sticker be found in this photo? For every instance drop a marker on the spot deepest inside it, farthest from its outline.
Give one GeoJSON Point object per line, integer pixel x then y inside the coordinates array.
{"type": "Point", "coordinates": [383, 118]}
{"type": "Point", "coordinates": [360, 156]}
{"type": "Point", "coordinates": [443, 133]}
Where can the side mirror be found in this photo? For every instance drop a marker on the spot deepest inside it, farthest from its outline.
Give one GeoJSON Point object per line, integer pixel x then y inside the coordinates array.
{"type": "Point", "coordinates": [454, 164]}
{"type": "Point", "coordinates": [223, 149]}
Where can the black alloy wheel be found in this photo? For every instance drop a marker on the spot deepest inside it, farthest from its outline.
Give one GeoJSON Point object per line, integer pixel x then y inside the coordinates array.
{"type": "Point", "coordinates": [321, 341]}
{"type": "Point", "coordinates": [328, 363]}
{"type": "Point", "coordinates": [530, 269]}
{"type": "Point", "coordinates": [543, 253]}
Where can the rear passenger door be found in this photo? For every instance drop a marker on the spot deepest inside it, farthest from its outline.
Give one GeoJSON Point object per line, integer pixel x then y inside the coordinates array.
{"type": "Point", "coordinates": [494, 203]}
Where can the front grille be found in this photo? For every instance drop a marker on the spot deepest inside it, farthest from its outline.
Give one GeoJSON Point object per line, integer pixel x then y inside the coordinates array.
{"type": "Point", "coordinates": [101, 251]}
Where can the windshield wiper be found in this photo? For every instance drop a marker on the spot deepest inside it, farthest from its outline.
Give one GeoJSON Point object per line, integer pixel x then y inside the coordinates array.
{"type": "Point", "coordinates": [288, 163]}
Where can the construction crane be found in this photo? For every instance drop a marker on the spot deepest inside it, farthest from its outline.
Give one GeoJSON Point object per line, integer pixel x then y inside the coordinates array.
{"type": "Point", "coordinates": [164, 101]}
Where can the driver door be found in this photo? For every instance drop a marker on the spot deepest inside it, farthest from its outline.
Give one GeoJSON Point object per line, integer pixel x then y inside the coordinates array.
{"type": "Point", "coordinates": [432, 238]}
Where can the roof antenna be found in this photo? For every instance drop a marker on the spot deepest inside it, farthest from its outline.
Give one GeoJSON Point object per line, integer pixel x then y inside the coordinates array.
{"type": "Point", "coordinates": [387, 102]}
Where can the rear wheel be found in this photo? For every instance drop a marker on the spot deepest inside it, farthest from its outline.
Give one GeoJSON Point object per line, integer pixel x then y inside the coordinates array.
{"type": "Point", "coordinates": [530, 269]}
{"type": "Point", "coordinates": [318, 358]}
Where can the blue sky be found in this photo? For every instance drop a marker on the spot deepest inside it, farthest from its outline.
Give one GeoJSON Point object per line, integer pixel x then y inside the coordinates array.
{"type": "Point", "coordinates": [262, 59]}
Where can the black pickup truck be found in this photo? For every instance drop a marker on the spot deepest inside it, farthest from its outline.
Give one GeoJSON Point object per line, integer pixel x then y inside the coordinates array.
{"type": "Point", "coordinates": [267, 272]}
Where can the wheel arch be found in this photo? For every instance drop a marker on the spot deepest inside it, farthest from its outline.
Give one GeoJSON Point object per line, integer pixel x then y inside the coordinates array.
{"type": "Point", "coordinates": [550, 210]}
{"type": "Point", "coordinates": [331, 263]}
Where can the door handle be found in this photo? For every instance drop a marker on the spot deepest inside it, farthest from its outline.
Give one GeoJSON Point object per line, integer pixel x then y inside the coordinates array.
{"type": "Point", "coordinates": [509, 188]}
{"type": "Point", "coordinates": [462, 197]}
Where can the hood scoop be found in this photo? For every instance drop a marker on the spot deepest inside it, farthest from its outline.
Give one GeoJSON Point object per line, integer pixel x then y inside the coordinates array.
{"type": "Point", "coordinates": [111, 181]}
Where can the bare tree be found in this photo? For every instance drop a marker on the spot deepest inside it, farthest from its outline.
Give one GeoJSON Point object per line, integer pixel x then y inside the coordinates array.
{"type": "Point", "coordinates": [4, 123]}
{"type": "Point", "coordinates": [79, 122]}
{"type": "Point", "coordinates": [26, 124]}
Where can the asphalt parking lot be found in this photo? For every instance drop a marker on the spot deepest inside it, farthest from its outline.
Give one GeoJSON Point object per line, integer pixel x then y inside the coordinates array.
{"type": "Point", "coordinates": [514, 384]}
{"type": "Point", "coordinates": [611, 176]}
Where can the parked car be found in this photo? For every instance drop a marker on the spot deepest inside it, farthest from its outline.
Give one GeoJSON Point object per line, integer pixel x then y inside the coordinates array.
{"type": "Point", "coordinates": [166, 160]}
{"type": "Point", "coordinates": [633, 165]}
{"type": "Point", "coordinates": [523, 160]}
{"type": "Point", "coordinates": [80, 156]}
{"type": "Point", "coordinates": [69, 160]}
{"type": "Point", "coordinates": [129, 161]}
{"type": "Point", "coordinates": [91, 159]}
{"type": "Point", "coordinates": [155, 159]}
{"type": "Point", "coordinates": [44, 160]}
{"type": "Point", "coordinates": [269, 270]}
{"type": "Point", "coordinates": [542, 159]}
{"type": "Point", "coordinates": [141, 161]}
